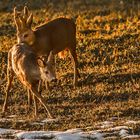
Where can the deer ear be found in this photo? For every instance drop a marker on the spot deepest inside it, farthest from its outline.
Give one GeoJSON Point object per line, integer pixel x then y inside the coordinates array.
{"type": "Point", "coordinates": [16, 19]}
{"type": "Point", "coordinates": [23, 22]}
{"type": "Point", "coordinates": [15, 12]}
{"type": "Point", "coordinates": [40, 62]}
{"type": "Point", "coordinates": [26, 11]}
{"type": "Point", "coordinates": [30, 20]}
{"type": "Point", "coordinates": [51, 58]}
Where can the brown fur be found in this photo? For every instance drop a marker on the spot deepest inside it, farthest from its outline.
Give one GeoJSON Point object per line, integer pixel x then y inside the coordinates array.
{"type": "Point", "coordinates": [63, 54]}
{"type": "Point", "coordinates": [30, 70]}
{"type": "Point", "coordinates": [55, 36]}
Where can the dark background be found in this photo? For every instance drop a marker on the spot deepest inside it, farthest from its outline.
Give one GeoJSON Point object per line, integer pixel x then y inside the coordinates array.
{"type": "Point", "coordinates": [8, 5]}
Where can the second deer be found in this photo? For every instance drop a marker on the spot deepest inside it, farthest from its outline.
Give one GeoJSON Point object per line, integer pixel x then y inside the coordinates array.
{"type": "Point", "coordinates": [30, 69]}
{"type": "Point", "coordinates": [56, 36]}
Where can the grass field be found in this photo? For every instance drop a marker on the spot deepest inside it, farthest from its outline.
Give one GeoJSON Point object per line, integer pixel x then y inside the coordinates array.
{"type": "Point", "coordinates": [108, 48]}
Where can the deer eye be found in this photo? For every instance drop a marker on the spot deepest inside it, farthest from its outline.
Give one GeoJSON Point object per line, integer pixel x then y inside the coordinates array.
{"type": "Point", "coordinates": [46, 72]}
{"type": "Point", "coordinates": [26, 35]}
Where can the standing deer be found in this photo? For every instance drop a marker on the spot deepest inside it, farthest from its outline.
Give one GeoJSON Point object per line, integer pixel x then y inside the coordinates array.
{"type": "Point", "coordinates": [55, 36]}
{"type": "Point", "coordinates": [30, 69]}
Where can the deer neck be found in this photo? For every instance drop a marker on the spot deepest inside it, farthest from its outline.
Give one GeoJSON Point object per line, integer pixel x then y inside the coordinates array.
{"type": "Point", "coordinates": [42, 45]}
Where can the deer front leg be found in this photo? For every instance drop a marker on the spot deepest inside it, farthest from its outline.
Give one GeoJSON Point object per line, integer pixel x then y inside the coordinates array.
{"type": "Point", "coordinates": [35, 104]}
{"type": "Point", "coordinates": [35, 98]}
{"type": "Point", "coordinates": [41, 100]}
{"type": "Point", "coordinates": [29, 98]}
{"type": "Point", "coordinates": [39, 86]}
{"type": "Point", "coordinates": [47, 86]}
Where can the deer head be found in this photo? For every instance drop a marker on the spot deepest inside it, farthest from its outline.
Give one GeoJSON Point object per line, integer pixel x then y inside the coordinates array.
{"type": "Point", "coordinates": [47, 68]}
{"type": "Point", "coordinates": [23, 25]}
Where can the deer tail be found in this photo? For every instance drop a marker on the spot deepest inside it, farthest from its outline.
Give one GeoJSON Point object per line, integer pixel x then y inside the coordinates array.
{"type": "Point", "coordinates": [63, 54]}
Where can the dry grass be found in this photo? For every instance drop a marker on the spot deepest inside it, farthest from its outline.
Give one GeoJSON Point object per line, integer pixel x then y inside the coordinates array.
{"type": "Point", "coordinates": [108, 50]}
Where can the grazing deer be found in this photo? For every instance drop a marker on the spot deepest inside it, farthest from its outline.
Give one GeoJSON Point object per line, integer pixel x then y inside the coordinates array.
{"type": "Point", "coordinates": [55, 36]}
{"type": "Point", "coordinates": [30, 69]}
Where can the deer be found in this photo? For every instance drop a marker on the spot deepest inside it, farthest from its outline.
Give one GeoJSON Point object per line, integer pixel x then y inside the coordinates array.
{"type": "Point", "coordinates": [30, 69]}
{"type": "Point", "coordinates": [57, 36]}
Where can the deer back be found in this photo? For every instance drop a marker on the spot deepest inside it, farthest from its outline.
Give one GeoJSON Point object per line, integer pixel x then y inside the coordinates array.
{"type": "Point", "coordinates": [55, 35]}
{"type": "Point", "coordinates": [28, 67]}
{"type": "Point", "coordinates": [24, 63]}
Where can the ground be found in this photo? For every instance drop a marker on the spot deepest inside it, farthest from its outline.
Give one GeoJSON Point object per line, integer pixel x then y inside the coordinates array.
{"type": "Point", "coordinates": [108, 49]}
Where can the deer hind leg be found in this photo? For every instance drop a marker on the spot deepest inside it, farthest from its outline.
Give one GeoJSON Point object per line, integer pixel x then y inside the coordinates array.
{"type": "Point", "coordinates": [32, 96]}
{"type": "Point", "coordinates": [29, 98]}
{"type": "Point", "coordinates": [75, 61]}
{"type": "Point", "coordinates": [35, 98]}
{"type": "Point", "coordinates": [10, 75]}
{"type": "Point", "coordinates": [10, 79]}
{"type": "Point", "coordinates": [46, 86]}
{"type": "Point", "coordinates": [35, 104]}
{"type": "Point", "coordinates": [41, 99]}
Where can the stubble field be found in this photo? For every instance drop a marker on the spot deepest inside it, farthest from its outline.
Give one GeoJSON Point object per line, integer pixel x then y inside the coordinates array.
{"type": "Point", "coordinates": [108, 49]}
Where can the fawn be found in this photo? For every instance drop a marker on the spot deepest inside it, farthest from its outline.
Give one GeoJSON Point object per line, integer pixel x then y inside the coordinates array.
{"type": "Point", "coordinates": [56, 36]}
{"type": "Point", "coordinates": [30, 69]}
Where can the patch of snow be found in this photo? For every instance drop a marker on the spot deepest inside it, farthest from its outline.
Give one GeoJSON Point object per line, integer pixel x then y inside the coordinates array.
{"type": "Point", "coordinates": [97, 136]}
{"type": "Point", "coordinates": [72, 134]}
{"type": "Point", "coordinates": [106, 131]}
{"type": "Point", "coordinates": [12, 116]}
{"type": "Point", "coordinates": [10, 119]}
{"type": "Point", "coordinates": [132, 122]}
{"type": "Point", "coordinates": [117, 128]}
{"type": "Point", "coordinates": [20, 121]}
{"type": "Point", "coordinates": [68, 136]}
{"type": "Point", "coordinates": [35, 135]}
{"type": "Point", "coordinates": [78, 135]}
{"type": "Point", "coordinates": [37, 123]}
{"type": "Point", "coordinates": [131, 137]}
{"type": "Point", "coordinates": [49, 120]}
{"type": "Point", "coordinates": [44, 121]}
{"type": "Point", "coordinates": [107, 124]}
{"type": "Point", "coordinates": [123, 133]}
{"type": "Point", "coordinates": [76, 130]}
{"type": "Point", "coordinates": [6, 131]}
{"type": "Point", "coordinates": [5, 119]}
{"type": "Point", "coordinates": [93, 135]}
